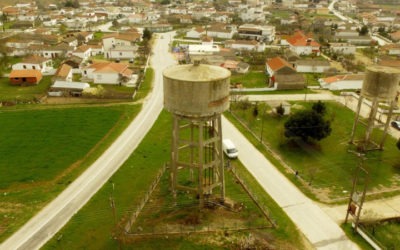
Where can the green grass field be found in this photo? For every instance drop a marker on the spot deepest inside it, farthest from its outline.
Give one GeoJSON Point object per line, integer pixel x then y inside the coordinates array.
{"type": "Point", "coordinates": [92, 226]}
{"type": "Point", "coordinates": [251, 79]}
{"type": "Point", "coordinates": [44, 150]}
{"type": "Point", "coordinates": [327, 167]}
{"type": "Point", "coordinates": [9, 92]}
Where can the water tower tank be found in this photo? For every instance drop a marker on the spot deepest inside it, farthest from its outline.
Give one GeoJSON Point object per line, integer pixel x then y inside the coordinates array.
{"type": "Point", "coordinates": [381, 82]}
{"type": "Point", "coordinates": [196, 90]}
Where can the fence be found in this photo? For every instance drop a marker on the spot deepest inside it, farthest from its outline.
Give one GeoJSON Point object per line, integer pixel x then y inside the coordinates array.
{"type": "Point", "coordinates": [146, 197]}
{"type": "Point", "coordinates": [254, 197]}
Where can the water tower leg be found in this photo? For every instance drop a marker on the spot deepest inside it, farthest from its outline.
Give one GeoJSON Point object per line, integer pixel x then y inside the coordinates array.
{"type": "Point", "coordinates": [388, 119]}
{"type": "Point", "coordinates": [221, 160]}
{"type": "Point", "coordinates": [356, 120]}
{"type": "Point", "coordinates": [201, 165]}
{"type": "Point", "coordinates": [371, 121]}
{"type": "Point", "coordinates": [174, 153]}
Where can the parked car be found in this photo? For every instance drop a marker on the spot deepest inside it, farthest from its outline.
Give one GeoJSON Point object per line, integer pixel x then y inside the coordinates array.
{"type": "Point", "coordinates": [229, 149]}
{"type": "Point", "coordinates": [395, 124]}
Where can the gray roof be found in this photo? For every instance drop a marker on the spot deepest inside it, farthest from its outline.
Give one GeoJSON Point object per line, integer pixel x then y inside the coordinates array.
{"type": "Point", "coordinates": [70, 85]}
{"type": "Point", "coordinates": [313, 62]}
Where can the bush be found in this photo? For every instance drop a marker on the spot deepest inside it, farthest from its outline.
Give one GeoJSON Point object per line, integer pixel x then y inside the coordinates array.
{"type": "Point", "coordinates": [307, 124]}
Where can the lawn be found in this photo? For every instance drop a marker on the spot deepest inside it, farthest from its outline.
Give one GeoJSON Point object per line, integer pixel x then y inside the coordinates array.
{"type": "Point", "coordinates": [13, 93]}
{"type": "Point", "coordinates": [326, 168]}
{"type": "Point", "coordinates": [44, 150]}
{"type": "Point", "coordinates": [92, 226]}
{"type": "Point", "coordinates": [386, 232]}
{"type": "Point", "coordinates": [251, 79]}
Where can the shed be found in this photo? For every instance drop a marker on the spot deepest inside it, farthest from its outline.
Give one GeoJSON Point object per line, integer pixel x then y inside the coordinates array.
{"type": "Point", "coordinates": [289, 81]}
{"type": "Point", "coordinates": [25, 77]}
{"type": "Point", "coordinates": [68, 88]}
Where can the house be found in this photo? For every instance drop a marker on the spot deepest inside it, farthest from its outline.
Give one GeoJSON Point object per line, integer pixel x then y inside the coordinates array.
{"type": "Point", "coordinates": [74, 61]}
{"type": "Point", "coordinates": [64, 73]}
{"type": "Point", "coordinates": [301, 44]}
{"type": "Point", "coordinates": [342, 48]}
{"type": "Point", "coordinates": [84, 36]}
{"type": "Point", "coordinates": [185, 19]}
{"type": "Point", "coordinates": [395, 36]}
{"type": "Point", "coordinates": [137, 18]}
{"type": "Point", "coordinates": [64, 88]}
{"type": "Point", "coordinates": [83, 51]}
{"type": "Point", "coordinates": [220, 31]}
{"type": "Point", "coordinates": [25, 77]}
{"type": "Point", "coordinates": [278, 65]}
{"type": "Point", "coordinates": [264, 33]}
{"type": "Point", "coordinates": [391, 49]}
{"type": "Point", "coordinates": [108, 73]}
{"type": "Point", "coordinates": [236, 66]}
{"type": "Point", "coordinates": [252, 45]}
{"type": "Point", "coordinates": [289, 81]}
{"type": "Point", "coordinates": [356, 40]}
{"type": "Point", "coordinates": [96, 49]}
{"type": "Point", "coordinates": [341, 82]}
{"type": "Point", "coordinates": [197, 49]}
{"type": "Point", "coordinates": [196, 32]}
{"type": "Point", "coordinates": [312, 66]}
{"type": "Point", "coordinates": [122, 52]}
{"type": "Point", "coordinates": [389, 63]}
{"type": "Point", "coordinates": [34, 62]}
{"type": "Point", "coordinates": [71, 41]}
{"type": "Point", "coordinates": [120, 39]}
{"type": "Point", "coordinates": [52, 51]}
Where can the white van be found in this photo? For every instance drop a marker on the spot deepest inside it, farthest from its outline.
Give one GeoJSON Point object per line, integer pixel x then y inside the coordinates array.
{"type": "Point", "coordinates": [229, 149]}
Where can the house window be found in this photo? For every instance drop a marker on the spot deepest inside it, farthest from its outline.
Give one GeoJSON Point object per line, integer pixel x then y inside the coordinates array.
{"type": "Point", "coordinates": [85, 72]}
{"type": "Point", "coordinates": [24, 66]}
{"type": "Point", "coordinates": [46, 54]}
{"type": "Point", "coordinates": [120, 53]}
{"type": "Point", "coordinates": [33, 67]}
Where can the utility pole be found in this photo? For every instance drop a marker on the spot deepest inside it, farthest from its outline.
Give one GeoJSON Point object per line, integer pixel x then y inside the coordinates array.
{"type": "Point", "coordinates": [356, 199]}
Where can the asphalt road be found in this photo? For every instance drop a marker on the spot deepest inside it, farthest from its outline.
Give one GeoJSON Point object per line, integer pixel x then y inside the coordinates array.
{"type": "Point", "coordinates": [56, 214]}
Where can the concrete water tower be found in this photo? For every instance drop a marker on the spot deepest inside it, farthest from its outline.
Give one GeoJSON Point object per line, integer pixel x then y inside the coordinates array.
{"type": "Point", "coordinates": [381, 84]}
{"type": "Point", "coordinates": [196, 95]}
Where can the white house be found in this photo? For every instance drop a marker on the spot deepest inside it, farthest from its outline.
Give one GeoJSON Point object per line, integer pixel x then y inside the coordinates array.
{"type": "Point", "coordinates": [312, 66]}
{"type": "Point", "coordinates": [392, 49]}
{"type": "Point", "coordinates": [137, 18]}
{"type": "Point", "coordinates": [120, 39]}
{"type": "Point", "coordinates": [83, 51]}
{"type": "Point", "coordinates": [196, 32]}
{"type": "Point", "coordinates": [96, 50]}
{"type": "Point", "coordinates": [342, 48]}
{"type": "Point", "coordinates": [64, 73]}
{"type": "Point", "coordinates": [341, 82]}
{"type": "Point", "coordinates": [257, 32]}
{"type": "Point", "coordinates": [121, 52]}
{"type": "Point", "coordinates": [34, 62]}
{"type": "Point", "coordinates": [218, 31]}
{"type": "Point", "coordinates": [196, 49]}
{"type": "Point", "coordinates": [301, 44]}
{"type": "Point", "coordinates": [108, 73]}
{"type": "Point", "coordinates": [245, 45]}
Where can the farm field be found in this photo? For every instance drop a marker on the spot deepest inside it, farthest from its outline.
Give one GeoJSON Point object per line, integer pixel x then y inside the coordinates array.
{"type": "Point", "coordinates": [46, 149]}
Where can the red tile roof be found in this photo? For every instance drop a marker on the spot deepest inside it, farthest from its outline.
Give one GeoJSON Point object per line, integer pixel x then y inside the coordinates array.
{"type": "Point", "coordinates": [277, 63]}
{"type": "Point", "coordinates": [299, 39]}
{"type": "Point", "coordinates": [25, 73]}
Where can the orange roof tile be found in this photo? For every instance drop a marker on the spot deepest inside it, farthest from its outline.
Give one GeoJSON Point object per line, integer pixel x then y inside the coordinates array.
{"type": "Point", "coordinates": [109, 67]}
{"type": "Point", "coordinates": [25, 73]}
{"type": "Point", "coordinates": [277, 63]}
{"type": "Point", "coordinates": [64, 70]}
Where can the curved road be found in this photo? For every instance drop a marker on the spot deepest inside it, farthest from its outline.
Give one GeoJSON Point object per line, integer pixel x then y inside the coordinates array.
{"type": "Point", "coordinates": [37, 231]}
